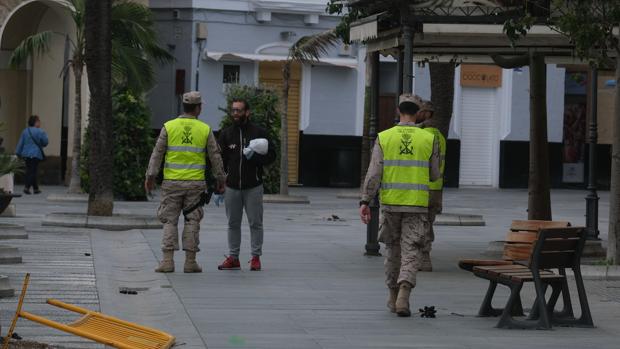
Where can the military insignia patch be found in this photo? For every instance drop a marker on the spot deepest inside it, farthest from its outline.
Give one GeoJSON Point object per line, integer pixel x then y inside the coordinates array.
{"type": "Point", "coordinates": [405, 144]}
{"type": "Point", "coordinates": [187, 135]}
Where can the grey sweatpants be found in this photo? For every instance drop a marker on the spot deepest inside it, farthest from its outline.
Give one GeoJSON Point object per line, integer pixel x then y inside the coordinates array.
{"type": "Point", "coordinates": [252, 201]}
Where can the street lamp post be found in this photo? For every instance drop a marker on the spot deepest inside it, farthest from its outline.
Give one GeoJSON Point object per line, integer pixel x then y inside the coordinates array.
{"type": "Point", "coordinates": [592, 197]}
{"type": "Point", "coordinates": [407, 58]}
{"type": "Point", "coordinates": [372, 228]}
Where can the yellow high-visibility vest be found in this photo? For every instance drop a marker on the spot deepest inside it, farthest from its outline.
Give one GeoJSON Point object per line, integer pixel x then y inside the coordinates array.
{"type": "Point", "coordinates": [438, 184]}
{"type": "Point", "coordinates": [187, 146]}
{"type": "Point", "coordinates": [406, 162]}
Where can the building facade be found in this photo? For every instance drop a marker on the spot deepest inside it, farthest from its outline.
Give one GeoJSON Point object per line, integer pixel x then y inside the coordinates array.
{"type": "Point", "coordinates": [39, 86]}
{"type": "Point", "coordinates": [488, 144]}
{"type": "Point", "coordinates": [217, 43]}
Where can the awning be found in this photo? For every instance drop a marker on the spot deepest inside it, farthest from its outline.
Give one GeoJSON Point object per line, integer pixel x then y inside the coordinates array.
{"type": "Point", "coordinates": [248, 57]}
{"type": "Point", "coordinates": [366, 28]}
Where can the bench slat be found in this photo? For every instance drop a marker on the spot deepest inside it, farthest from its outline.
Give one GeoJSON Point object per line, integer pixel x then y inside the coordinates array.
{"type": "Point", "coordinates": [469, 264]}
{"type": "Point", "coordinates": [530, 277]}
{"type": "Point", "coordinates": [535, 225]}
{"type": "Point", "coordinates": [521, 236]}
{"type": "Point", "coordinates": [517, 251]}
{"type": "Point", "coordinates": [501, 268]}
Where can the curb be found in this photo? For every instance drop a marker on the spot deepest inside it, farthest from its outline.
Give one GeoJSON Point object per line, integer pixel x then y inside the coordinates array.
{"type": "Point", "coordinates": [285, 199]}
{"type": "Point", "coordinates": [68, 198]}
{"type": "Point", "coordinates": [598, 272]}
{"type": "Point", "coordinates": [9, 255]}
{"type": "Point", "coordinates": [115, 222]}
{"type": "Point", "coordinates": [6, 290]}
{"type": "Point", "coordinates": [455, 219]}
{"type": "Point", "coordinates": [12, 231]}
{"type": "Point", "coordinates": [355, 196]}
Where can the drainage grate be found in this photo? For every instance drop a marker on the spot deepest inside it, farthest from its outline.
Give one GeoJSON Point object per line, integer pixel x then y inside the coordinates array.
{"type": "Point", "coordinates": [132, 290]}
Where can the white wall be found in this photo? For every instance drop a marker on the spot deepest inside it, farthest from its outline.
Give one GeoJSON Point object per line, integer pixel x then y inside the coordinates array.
{"type": "Point", "coordinates": [333, 101]}
{"type": "Point", "coordinates": [211, 77]}
{"type": "Point", "coordinates": [515, 117]}
{"type": "Point", "coordinates": [47, 84]}
{"type": "Point", "coordinates": [520, 123]}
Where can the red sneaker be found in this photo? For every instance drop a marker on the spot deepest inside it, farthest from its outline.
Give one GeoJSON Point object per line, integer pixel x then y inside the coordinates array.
{"type": "Point", "coordinates": [255, 263]}
{"type": "Point", "coordinates": [230, 263]}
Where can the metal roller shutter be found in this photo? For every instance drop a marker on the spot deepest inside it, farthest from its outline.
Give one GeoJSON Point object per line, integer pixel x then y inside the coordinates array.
{"type": "Point", "coordinates": [477, 114]}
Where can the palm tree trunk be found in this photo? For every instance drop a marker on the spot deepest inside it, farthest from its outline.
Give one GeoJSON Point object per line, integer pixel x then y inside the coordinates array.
{"type": "Point", "coordinates": [98, 66]}
{"type": "Point", "coordinates": [75, 186]}
{"type": "Point", "coordinates": [286, 74]}
{"type": "Point", "coordinates": [539, 198]}
{"type": "Point", "coordinates": [613, 246]}
{"type": "Point", "coordinates": [442, 93]}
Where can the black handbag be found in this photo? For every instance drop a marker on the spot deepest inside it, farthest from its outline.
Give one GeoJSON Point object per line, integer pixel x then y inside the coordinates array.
{"type": "Point", "coordinates": [37, 144]}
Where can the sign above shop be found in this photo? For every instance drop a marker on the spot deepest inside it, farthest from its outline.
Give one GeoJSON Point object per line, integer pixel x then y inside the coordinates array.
{"type": "Point", "coordinates": [478, 75]}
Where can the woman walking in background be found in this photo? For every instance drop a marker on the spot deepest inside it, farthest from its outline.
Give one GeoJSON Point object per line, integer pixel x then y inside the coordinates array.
{"type": "Point", "coordinates": [30, 148]}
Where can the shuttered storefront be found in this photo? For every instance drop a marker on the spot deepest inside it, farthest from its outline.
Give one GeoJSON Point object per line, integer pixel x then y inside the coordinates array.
{"type": "Point", "coordinates": [478, 108]}
{"type": "Point", "coordinates": [270, 74]}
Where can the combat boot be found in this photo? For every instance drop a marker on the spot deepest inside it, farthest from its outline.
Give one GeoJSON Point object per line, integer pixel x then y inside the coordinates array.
{"type": "Point", "coordinates": [190, 263]}
{"type": "Point", "coordinates": [402, 301]}
{"type": "Point", "coordinates": [391, 301]}
{"type": "Point", "coordinates": [427, 265]}
{"type": "Point", "coordinates": [167, 264]}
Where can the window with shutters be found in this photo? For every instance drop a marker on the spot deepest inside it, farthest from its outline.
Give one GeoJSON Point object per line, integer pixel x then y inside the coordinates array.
{"type": "Point", "coordinates": [231, 74]}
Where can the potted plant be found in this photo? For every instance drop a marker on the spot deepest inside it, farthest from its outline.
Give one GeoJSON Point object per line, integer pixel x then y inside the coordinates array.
{"type": "Point", "coordinates": [8, 164]}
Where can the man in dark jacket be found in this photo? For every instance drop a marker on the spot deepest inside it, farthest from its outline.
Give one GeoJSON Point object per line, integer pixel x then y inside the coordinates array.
{"type": "Point", "coordinates": [245, 150]}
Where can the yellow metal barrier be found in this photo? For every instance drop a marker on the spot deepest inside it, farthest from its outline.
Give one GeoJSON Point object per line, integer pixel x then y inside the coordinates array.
{"type": "Point", "coordinates": [99, 327]}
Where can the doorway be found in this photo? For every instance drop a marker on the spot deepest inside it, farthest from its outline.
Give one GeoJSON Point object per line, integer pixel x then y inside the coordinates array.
{"type": "Point", "coordinates": [478, 109]}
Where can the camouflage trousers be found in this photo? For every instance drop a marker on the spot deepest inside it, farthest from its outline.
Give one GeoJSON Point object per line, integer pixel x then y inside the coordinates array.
{"type": "Point", "coordinates": [428, 246]}
{"type": "Point", "coordinates": [173, 201]}
{"type": "Point", "coordinates": [405, 236]}
{"type": "Point", "coordinates": [435, 206]}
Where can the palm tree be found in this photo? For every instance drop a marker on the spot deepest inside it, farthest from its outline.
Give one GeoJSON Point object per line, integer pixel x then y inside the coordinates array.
{"type": "Point", "coordinates": [134, 42]}
{"type": "Point", "coordinates": [306, 50]}
{"type": "Point", "coordinates": [98, 57]}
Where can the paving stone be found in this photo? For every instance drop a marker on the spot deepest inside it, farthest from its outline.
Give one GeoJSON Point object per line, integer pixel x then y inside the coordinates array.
{"type": "Point", "coordinates": [5, 287]}
{"type": "Point", "coordinates": [9, 255]}
{"type": "Point", "coordinates": [316, 290]}
{"type": "Point", "coordinates": [12, 231]}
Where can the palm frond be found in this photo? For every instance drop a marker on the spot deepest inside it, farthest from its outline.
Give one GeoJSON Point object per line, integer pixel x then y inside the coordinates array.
{"type": "Point", "coordinates": [310, 48]}
{"type": "Point", "coordinates": [10, 164]}
{"type": "Point", "coordinates": [131, 69]}
{"type": "Point", "coordinates": [78, 13]}
{"type": "Point", "coordinates": [37, 44]}
{"type": "Point", "coordinates": [134, 43]}
{"type": "Point", "coordinates": [132, 25]}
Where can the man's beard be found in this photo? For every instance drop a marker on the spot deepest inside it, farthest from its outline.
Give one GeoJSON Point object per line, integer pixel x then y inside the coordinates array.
{"type": "Point", "coordinates": [240, 121]}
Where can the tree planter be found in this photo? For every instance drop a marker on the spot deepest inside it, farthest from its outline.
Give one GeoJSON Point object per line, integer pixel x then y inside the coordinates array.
{"type": "Point", "coordinates": [5, 200]}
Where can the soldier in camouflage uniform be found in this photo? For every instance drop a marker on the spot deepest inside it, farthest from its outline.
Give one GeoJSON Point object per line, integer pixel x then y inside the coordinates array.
{"type": "Point", "coordinates": [435, 205]}
{"type": "Point", "coordinates": [405, 159]}
{"type": "Point", "coordinates": [186, 142]}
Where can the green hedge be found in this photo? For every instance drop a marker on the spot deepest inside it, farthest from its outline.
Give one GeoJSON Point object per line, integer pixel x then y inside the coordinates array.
{"type": "Point", "coordinates": [265, 112]}
{"type": "Point", "coordinates": [133, 144]}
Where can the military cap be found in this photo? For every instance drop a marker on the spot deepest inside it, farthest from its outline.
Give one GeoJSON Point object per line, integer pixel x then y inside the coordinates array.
{"type": "Point", "coordinates": [192, 98]}
{"type": "Point", "coordinates": [427, 106]}
{"type": "Point", "coordinates": [411, 98]}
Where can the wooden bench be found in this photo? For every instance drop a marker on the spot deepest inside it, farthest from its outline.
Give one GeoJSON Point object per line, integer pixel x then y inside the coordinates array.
{"type": "Point", "coordinates": [555, 249]}
{"type": "Point", "coordinates": [517, 247]}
